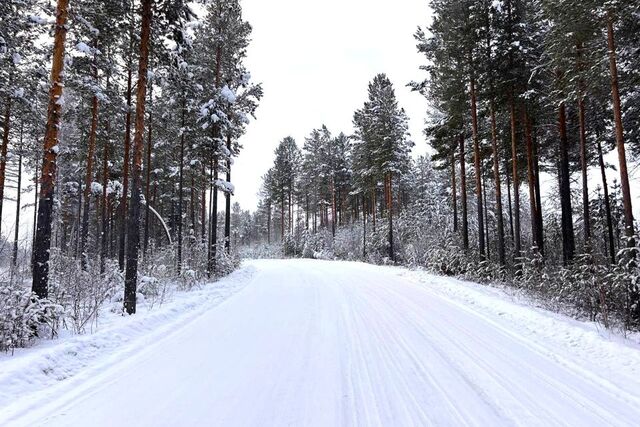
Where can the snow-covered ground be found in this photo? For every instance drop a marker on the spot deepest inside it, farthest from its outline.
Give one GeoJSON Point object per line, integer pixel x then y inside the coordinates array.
{"type": "Point", "coordinates": [327, 343]}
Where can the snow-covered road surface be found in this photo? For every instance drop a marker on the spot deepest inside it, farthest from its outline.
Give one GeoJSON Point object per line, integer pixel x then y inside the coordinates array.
{"type": "Point", "coordinates": [319, 343]}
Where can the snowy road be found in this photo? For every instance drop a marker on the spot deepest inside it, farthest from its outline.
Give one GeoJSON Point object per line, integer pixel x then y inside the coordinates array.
{"type": "Point", "coordinates": [314, 343]}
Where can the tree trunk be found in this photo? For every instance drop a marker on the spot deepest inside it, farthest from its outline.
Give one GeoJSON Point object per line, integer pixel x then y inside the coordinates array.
{"type": "Point", "coordinates": [282, 217]}
{"type": "Point", "coordinates": [290, 208]}
{"type": "Point", "coordinates": [583, 155]}
{"type": "Point", "coordinates": [35, 215]}
{"type": "Point", "coordinates": [454, 197]}
{"type": "Point", "coordinates": [127, 159]}
{"type": "Point", "coordinates": [306, 216]}
{"type": "Point", "coordinates": [478, 169]}
{"type": "Point", "coordinates": [210, 262]}
{"type": "Point", "coordinates": [16, 233]}
{"type": "Point", "coordinates": [181, 185]}
{"type": "Point", "coordinates": [147, 183]}
{"type": "Point", "coordinates": [531, 178]}
{"type": "Point", "coordinates": [269, 223]}
{"type": "Point", "coordinates": [364, 227]}
{"type": "Point", "coordinates": [568, 239]}
{"type": "Point", "coordinates": [389, 194]}
{"type": "Point", "coordinates": [48, 177]}
{"type": "Point", "coordinates": [486, 217]}
{"type": "Point", "coordinates": [607, 205]}
{"type": "Point", "coordinates": [3, 152]}
{"type": "Point", "coordinates": [214, 217]}
{"type": "Point", "coordinates": [539, 222]}
{"type": "Point", "coordinates": [105, 200]}
{"type": "Point", "coordinates": [203, 208]}
{"type": "Point", "coordinates": [192, 205]}
{"type": "Point", "coordinates": [622, 157]}
{"type": "Point", "coordinates": [133, 234]}
{"type": "Point", "coordinates": [213, 209]}
{"type": "Point", "coordinates": [333, 207]}
{"type": "Point", "coordinates": [496, 178]}
{"type": "Point", "coordinates": [517, 249]}
{"type": "Point", "coordinates": [227, 197]}
{"type": "Point", "coordinates": [84, 257]}
{"type": "Point", "coordinates": [506, 174]}
{"type": "Point", "coordinates": [463, 195]}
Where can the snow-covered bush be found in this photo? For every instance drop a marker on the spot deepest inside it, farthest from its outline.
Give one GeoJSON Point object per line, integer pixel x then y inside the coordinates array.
{"type": "Point", "coordinates": [347, 244]}
{"type": "Point", "coordinates": [24, 317]}
{"type": "Point", "coordinates": [293, 244]}
{"type": "Point", "coordinates": [261, 251]}
{"type": "Point", "coordinates": [81, 293]}
{"type": "Point", "coordinates": [317, 245]}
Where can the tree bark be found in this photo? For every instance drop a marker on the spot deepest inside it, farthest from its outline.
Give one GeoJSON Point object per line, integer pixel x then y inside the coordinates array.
{"type": "Point", "coordinates": [463, 195]}
{"type": "Point", "coordinates": [333, 207]}
{"type": "Point", "coordinates": [496, 178]}
{"type": "Point", "coordinates": [478, 168]}
{"type": "Point", "coordinates": [617, 115]}
{"type": "Point", "coordinates": [147, 184]}
{"type": "Point", "coordinates": [181, 184]}
{"type": "Point", "coordinates": [227, 197]}
{"type": "Point", "coordinates": [16, 233]}
{"type": "Point", "coordinates": [133, 235]}
{"type": "Point", "coordinates": [127, 159]}
{"type": "Point", "coordinates": [3, 152]}
{"type": "Point", "coordinates": [210, 262]}
{"type": "Point", "coordinates": [282, 216]}
{"type": "Point", "coordinates": [269, 223]}
{"type": "Point", "coordinates": [214, 217]}
{"type": "Point", "coordinates": [540, 221]}
{"type": "Point", "coordinates": [84, 257]}
{"type": "Point", "coordinates": [506, 174]}
{"type": "Point", "coordinates": [454, 197]}
{"type": "Point", "coordinates": [389, 194]}
{"type": "Point", "coordinates": [568, 238]}
{"type": "Point", "coordinates": [203, 208]}
{"type": "Point", "coordinates": [583, 155]}
{"type": "Point", "coordinates": [373, 208]}
{"type": "Point", "coordinates": [531, 178]}
{"type": "Point", "coordinates": [49, 163]}
{"type": "Point", "coordinates": [192, 204]}
{"type": "Point", "coordinates": [517, 248]}
{"type": "Point", "coordinates": [607, 205]}
{"type": "Point", "coordinates": [105, 201]}
{"type": "Point", "coordinates": [35, 215]}
{"type": "Point", "coordinates": [486, 216]}
{"type": "Point", "coordinates": [364, 227]}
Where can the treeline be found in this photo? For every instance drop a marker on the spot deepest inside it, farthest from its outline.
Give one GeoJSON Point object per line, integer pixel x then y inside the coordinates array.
{"type": "Point", "coordinates": [127, 114]}
{"type": "Point", "coordinates": [534, 86]}
{"type": "Point", "coordinates": [517, 91]}
{"type": "Point", "coordinates": [335, 180]}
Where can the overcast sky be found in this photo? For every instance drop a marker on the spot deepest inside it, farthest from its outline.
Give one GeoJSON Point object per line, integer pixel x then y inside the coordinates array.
{"type": "Point", "coordinates": [315, 60]}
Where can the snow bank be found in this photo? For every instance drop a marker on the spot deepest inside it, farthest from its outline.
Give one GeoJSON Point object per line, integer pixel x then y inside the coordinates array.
{"type": "Point", "coordinates": [52, 367]}
{"type": "Point", "coordinates": [583, 346]}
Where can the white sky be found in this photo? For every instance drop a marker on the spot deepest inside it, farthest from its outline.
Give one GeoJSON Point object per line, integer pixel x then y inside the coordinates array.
{"type": "Point", "coordinates": [315, 60]}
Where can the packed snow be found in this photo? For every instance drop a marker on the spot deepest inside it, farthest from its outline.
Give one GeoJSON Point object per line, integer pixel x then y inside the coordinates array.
{"type": "Point", "coordinates": [323, 343]}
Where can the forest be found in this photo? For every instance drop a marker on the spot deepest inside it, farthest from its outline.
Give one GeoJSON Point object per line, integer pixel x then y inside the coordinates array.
{"type": "Point", "coordinates": [124, 118]}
